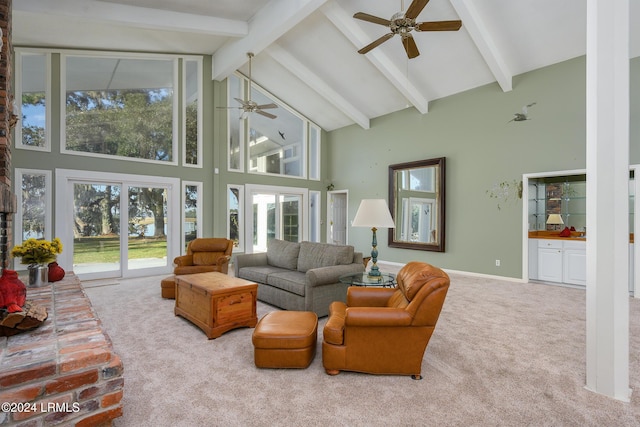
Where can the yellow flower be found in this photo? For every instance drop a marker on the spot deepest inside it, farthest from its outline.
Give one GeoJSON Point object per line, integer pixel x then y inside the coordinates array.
{"type": "Point", "coordinates": [33, 251]}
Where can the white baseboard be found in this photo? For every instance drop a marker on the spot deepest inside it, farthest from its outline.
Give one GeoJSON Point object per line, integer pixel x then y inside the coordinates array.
{"type": "Point", "coordinates": [399, 265]}
{"type": "Point", "coordinates": [486, 276]}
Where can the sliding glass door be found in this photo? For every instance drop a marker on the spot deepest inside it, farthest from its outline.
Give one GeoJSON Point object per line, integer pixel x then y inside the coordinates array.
{"type": "Point", "coordinates": [116, 225]}
{"type": "Point", "coordinates": [96, 228]}
{"type": "Point", "coordinates": [147, 227]}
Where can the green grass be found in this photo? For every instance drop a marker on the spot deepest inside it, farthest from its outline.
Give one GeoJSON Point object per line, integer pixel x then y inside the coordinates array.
{"type": "Point", "coordinates": [107, 249]}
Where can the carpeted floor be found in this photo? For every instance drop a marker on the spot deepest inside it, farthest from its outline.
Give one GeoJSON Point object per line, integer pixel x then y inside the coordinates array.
{"type": "Point", "coordinates": [503, 354]}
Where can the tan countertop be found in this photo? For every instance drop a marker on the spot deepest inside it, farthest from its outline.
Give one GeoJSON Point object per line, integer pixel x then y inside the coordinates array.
{"type": "Point", "coordinates": [555, 235]}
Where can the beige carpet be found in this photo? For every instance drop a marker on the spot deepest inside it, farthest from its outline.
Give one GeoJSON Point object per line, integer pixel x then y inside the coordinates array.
{"type": "Point", "coordinates": [503, 354]}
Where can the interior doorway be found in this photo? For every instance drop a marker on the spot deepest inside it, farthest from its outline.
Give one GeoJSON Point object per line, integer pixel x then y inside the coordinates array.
{"type": "Point", "coordinates": [535, 215]}
{"type": "Point", "coordinates": [337, 210]}
{"type": "Point", "coordinates": [274, 213]}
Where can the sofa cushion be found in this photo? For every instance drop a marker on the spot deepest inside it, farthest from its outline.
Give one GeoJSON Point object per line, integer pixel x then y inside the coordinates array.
{"type": "Point", "coordinates": [283, 254]}
{"type": "Point", "coordinates": [258, 274]}
{"type": "Point", "coordinates": [314, 255]}
{"type": "Point", "coordinates": [290, 281]}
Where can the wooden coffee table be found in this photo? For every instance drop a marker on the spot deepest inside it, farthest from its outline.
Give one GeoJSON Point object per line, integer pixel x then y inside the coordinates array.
{"type": "Point", "coordinates": [215, 302]}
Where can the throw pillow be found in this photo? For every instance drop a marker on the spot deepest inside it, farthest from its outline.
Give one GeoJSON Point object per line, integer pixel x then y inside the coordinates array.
{"type": "Point", "coordinates": [314, 255]}
{"type": "Point", "coordinates": [283, 254]}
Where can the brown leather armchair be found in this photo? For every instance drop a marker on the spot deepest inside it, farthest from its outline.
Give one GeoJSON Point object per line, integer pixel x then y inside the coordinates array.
{"type": "Point", "coordinates": [204, 255]}
{"type": "Point", "coordinates": [383, 330]}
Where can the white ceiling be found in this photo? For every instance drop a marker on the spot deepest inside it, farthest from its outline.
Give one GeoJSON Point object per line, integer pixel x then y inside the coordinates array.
{"type": "Point", "coordinates": [306, 50]}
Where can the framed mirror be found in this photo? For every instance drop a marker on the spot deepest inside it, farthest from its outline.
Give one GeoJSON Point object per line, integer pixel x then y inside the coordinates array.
{"type": "Point", "coordinates": [417, 203]}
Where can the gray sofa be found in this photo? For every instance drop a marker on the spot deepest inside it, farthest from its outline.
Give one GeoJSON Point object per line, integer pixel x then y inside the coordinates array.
{"type": "Point", "coordinates": [300, 276]}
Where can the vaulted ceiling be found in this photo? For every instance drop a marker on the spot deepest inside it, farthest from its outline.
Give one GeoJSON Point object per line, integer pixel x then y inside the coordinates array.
{"type": "Point", "coordinates": [306, 50]}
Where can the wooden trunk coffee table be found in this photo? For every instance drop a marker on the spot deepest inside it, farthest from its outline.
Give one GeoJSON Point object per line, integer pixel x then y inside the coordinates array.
{"type": "Point", "coordinates": [215, 302]}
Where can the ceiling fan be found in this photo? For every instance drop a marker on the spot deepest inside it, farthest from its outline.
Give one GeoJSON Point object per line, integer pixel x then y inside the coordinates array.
{"type": "Point", "coordinates": [250, 106]}
{"type": "Point", "coordinates": [403, 23]}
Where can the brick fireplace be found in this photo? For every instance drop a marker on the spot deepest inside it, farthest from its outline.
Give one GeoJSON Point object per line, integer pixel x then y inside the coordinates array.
{"type": "Point", "coordinates": [65, 372]}
{"type": "Point", "coordinates": [7, 121]}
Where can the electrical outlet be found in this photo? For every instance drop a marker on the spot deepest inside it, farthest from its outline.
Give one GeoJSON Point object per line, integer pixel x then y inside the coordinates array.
{"type": "Point", "coordinates": [497, 263]}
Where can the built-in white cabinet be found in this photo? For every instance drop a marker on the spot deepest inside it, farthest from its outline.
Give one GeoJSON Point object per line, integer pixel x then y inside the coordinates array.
{"type": "Point", "coordinates": [632, 270]}
{"type": "Point", "coordinates": [560, 261]}
{"type": "Point", "coordinates": [550, 260]}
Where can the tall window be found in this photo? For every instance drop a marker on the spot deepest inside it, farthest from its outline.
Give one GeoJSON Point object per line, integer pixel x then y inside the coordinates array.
{"type": "Point", "coordinates": [120, 106]}
{"type": "Point", "coordinates": [314, 152]}
{"type": "Point", "coordinates": [290, 217]}
{"type": "Point", "coordinates": [33, 190]}
{"type": "Point", "coordinates": [192, 212]}
{"type": "Point", "coordinates": [192, 111]}
{"type": "Point", "coordinates": [274, 146]}
{"type": "Point", "coordinates": [32, 98]}
{"type": "Point", "coordinates": [235, 212]}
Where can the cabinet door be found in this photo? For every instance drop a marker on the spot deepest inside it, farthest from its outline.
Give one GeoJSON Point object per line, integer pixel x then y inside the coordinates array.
{"type": "Point", "coordinates": [632, 273]}
{"type": "Point", "coordinates": [575, 263]}
{"type": "Point", "coordinates": [575, 267]}
{"type": "Point", "coordinates": [550, 264]}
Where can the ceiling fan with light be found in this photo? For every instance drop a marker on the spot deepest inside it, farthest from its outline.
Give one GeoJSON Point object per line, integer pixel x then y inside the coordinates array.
{"type": "Point", "coordinates": [248, 106]}
{"type": "Point", "coordinates": [402, 23]}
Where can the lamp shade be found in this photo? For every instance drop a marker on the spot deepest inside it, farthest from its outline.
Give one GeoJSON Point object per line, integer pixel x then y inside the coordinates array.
{"type": "Point", "coordinates": [555, 219]}
{"type": "Point", "coordinates": [373, 213]}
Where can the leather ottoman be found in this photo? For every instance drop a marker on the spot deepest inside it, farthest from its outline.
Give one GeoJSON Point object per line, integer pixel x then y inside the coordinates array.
{"type": "Point", "coordinates": [285, 339]}
{"type": "Point", "coordinates": [168, 287]}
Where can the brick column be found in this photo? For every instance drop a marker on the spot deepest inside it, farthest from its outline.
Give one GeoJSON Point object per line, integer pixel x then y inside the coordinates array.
{"type": "Point", "coordinates": [7, 122]}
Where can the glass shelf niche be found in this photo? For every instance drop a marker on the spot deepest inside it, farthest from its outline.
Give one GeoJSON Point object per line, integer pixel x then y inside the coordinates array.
{"type": "Point", "coordinates": [573, 202]}
{"type": "Point", "coordinates": [537, 205]}
{"type": "Point", "coordinates": [565, 195]}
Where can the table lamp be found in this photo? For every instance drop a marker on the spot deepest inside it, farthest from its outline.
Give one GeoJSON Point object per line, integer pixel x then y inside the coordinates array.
{"type": "Point", "coordinates": [555, 219]}
{"type": "Point", "coordinates": [373, 213]}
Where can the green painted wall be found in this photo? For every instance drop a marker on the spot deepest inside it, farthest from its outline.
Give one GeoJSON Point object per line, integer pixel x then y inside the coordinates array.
{"type": "Point", "coordinates": [470, 129]}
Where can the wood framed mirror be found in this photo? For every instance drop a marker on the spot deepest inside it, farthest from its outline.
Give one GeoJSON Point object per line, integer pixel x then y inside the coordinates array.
{"type": "Point", "coordinates": [417, 203]}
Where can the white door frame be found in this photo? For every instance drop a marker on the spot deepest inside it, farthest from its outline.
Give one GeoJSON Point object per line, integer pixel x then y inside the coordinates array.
{"type": "Point", "coordinates": [525, 211]}
{"type": "Point", "coordinates": [634, 286]}
{"type": "Point", "coordinates": [330, 218]}
{"type": "Point", "coordinates": [251, 189]}
{"type": "Point", "coordinates": [635, 261]}
{"type": "Point", "coordinates": [63, 209]}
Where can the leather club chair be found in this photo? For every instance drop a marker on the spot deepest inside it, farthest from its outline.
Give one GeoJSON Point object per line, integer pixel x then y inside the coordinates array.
{"type": "Point", "coordinates": [385, 330]}
{"type": "Point", "coordinates": [205, 255]}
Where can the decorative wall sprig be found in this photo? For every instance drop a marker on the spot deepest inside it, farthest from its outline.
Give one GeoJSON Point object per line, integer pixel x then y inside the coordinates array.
{"type": "Point", "coordinates": [506, 192]}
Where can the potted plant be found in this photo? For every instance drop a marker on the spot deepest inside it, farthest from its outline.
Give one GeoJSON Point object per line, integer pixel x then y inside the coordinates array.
{"type": "Point", "coordinates": [37, 254]}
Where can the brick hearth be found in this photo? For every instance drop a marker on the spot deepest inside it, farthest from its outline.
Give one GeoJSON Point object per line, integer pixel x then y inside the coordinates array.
{"type": "Point", "coordinates": [67, 364]}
